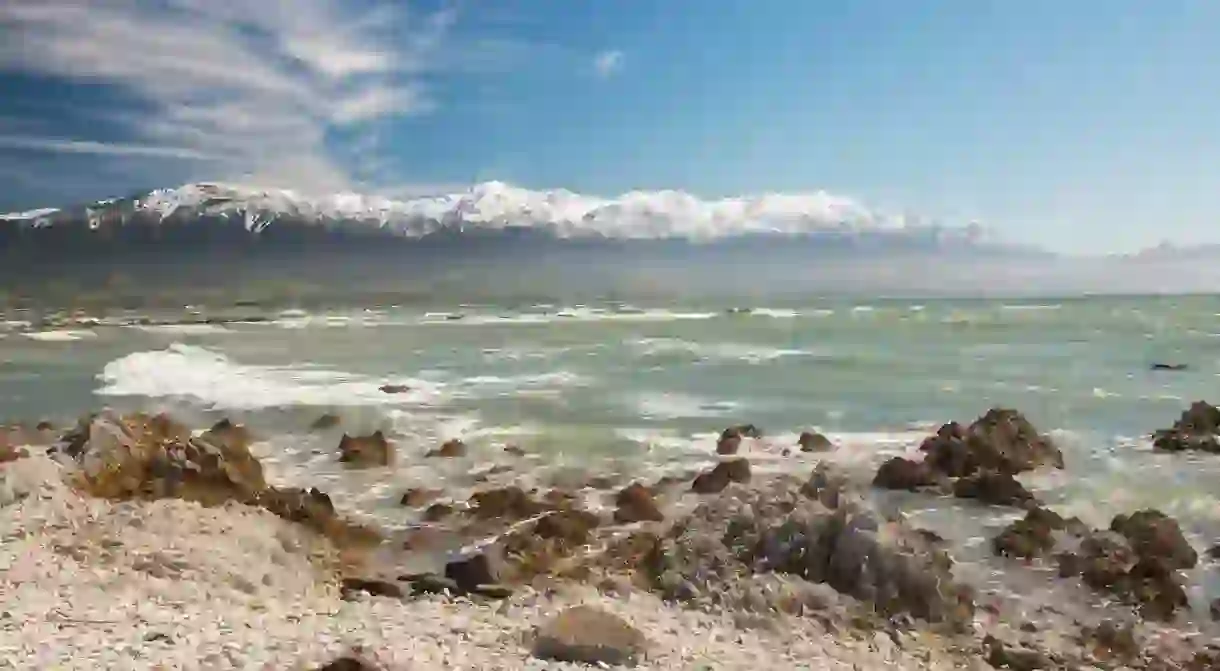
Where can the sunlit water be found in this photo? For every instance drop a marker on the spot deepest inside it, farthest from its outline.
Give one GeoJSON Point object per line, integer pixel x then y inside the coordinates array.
{"type": "Point", "coordinates": [637, 391]}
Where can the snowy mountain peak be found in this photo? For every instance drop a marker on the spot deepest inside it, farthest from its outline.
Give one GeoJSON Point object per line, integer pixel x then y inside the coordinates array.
{"type": "Point", "coordinates": [496, 205]}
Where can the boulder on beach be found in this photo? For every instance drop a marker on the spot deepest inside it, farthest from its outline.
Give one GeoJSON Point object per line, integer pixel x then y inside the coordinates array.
{"type": "Point", "coordinates": [904, 474]}
{"type": "Point", "coordinates": [140, 457]}
{"type": "Point", "coordinates": [1198, 429]}
{"type": "Point", "coordinates": [589, 635]}
{"type": "Point", "coordinates": [394, 388]}
{"type": "Point", "coordinates": [720, 476]}
{"type": "Point", "coordinates": [450, 449]}
{"type": "Point", "coordinates": [635, 503]}
{"type": "Point", "coordinates": [1002, 440]}
{"type": "Point", "coordinates": [1035, 535]}
{"type": "Point", "coordinates": [417, 497]}
{"type": "Point", "coordinates": [992, 488]}
{"type": "Point", "coordinates": [366, 451]}
{"type": "Point", "coordinates": [819, 532]}
{"type": "Point", "coordinates": [730, 439]}
{"type": "Point", "coordinates": [812, 441]}
{"type": "Point", "coordinates": [1138, 559]}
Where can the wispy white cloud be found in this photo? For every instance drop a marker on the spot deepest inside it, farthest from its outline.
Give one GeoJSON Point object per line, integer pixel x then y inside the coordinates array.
{"type": "Point", "coordinates": [102, 148]}
{"type": "Point", "coordinates": [608, 62]}
{"type": "Point", "coordinates": [255, 86]}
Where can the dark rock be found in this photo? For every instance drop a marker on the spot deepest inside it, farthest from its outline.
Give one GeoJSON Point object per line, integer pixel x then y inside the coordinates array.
{"type": "Point", "coordinates": [1214, 552]}
{"type": "Point", "coordinates": [733, 539]}
{"type": "Point", "coordinates": [349, 663]}
{"type": "Point", "coordinates": [743, 431]}
{"type": "Point", "coordinates": [587, 635]}
{"type": "Point", "coordinates": [514, 450]}
{"type": "Point", "coordinates": [1138, 561]}
{"type": "Point", "coordinates": [1032, 536]}
{"type": "Point", "coordinates": [394, 388]}
{"type": "Point", "coordinates": [437, 512]}
{"type": "Point", "coordinates": [1110, 641]}
{"type": "Point", "coordinates": [812, 441]}
{"type": "Point", "coordinates": [571, 526]}
{"type": "Point", "coordinates": [724, 473]}
{"type": "Point", "coordinates": [511, 503]}
{"type": "Point", "coordinates": [1215, 610]}
{"type": "Point", "coordinates": [1169, 366]}
{"type": "Point", "coordinates": [1001, 440]}
{"type": "Point", "coordinates": [450, 449]}
{"type": "Point", "coordinates": [728, 444]}
{"type": "Point", "coordinates": [365, 451]}
{"type": "Point", "coordinates": [636, 504]}
{"type": "Point", "coordinates": [418, 496]}
{"type": "Point", "coordinates": [497, 592]}
{"type": "Point", "coordinates": [324, 422]}
{"type": "Point", "coordinates": [903, 474]}
{"type": "Point", "coordinates": [1018, 659]}
{"type": "Point", "coordinates": [992, 488]}
{"type": "Point", "coordinates": [1157, 537]}
{"type": "Point", "coordinates": [373, 587]}
{"type": "Point", "coordinates": [44, 425]}
{"type": "Point", "coordinates": [1195, 430]}
{"type": "Point", "coordinates": [483, 567]}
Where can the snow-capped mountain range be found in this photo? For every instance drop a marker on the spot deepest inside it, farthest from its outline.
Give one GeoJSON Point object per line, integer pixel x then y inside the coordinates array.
{"type": "Point", "coordinates": [496, 206]}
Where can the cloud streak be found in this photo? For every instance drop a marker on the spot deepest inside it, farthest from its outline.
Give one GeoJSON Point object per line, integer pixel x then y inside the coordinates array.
{"type": "Point", "coordinates": [102, 148]}
{"type": "Point", "coordinates": [608, 63]}
{"type": "Point", "coordinates": [254, 86]}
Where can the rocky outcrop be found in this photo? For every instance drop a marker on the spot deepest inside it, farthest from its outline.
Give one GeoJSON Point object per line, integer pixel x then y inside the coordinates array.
{"type": "Point", "coordinates": [588, 635]}
{"type": "Point", "coordinates": [1198, 429]}
{"type": "Point", "coordinates": [450, 449]}
{"type": "Point", "coordinates": [818, 532]}
{"type": "Point", "coordinates": [1138, 559]}
{"type": "Point", "coordinates": [730, 439]}
{"type": "Point", "coordinates": [365, 451]}
{"type": "Point", "coordinates": [904, 474]}
{"type": "Point", "coordinates": [394, 388]}
{"type": "Point", "coordinates": [812, 441]}
{"type": "Point", "coordinates": [1036, 534]}
{"type": "Point", "coordinates": [1002, 440]}
{"type": "Point", "coordinates": [417, 497]}
{"type": "Point", "coordinates": [141, 457]}
{"type": "Point", "coordinates": [976, 462]}
{"type": "Point", "coordinates": [992, 488]}
{"type": "Point", "coordinates": [635, 503]}
{"type": "Point", "coordinates": [721, 475]}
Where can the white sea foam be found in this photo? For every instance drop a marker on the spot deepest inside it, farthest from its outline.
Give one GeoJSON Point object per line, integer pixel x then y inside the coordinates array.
{"type": "Point", "coordinates": [668, 405]}
{"type": "Point", "coordinates": [184, 329]}
{"type": "Point", "coordinates": [572, 314]}
{"type": "Point", "coordinates": [60, 335]}
{"type": "Point", "coordinates": [214, 380]}
{"type": "Point", "coordinates": [652, 347]}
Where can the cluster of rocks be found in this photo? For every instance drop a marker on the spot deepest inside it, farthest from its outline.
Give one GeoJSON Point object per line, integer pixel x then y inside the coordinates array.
{"type": "Point", "coordinates": [1198, 429]}
{"type": "Point", "coordinates": [976, 462]}
{"type": "Point", "coordinates": [731, 438]}
{"type": "Point", "coordinates": [1139, 559]}
{"type": "Point", "coordinates": [142, 457]}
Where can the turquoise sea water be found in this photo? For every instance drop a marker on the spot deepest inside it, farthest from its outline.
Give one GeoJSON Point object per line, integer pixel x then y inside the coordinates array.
{"type": "Point", "coordinates": [638, 390]}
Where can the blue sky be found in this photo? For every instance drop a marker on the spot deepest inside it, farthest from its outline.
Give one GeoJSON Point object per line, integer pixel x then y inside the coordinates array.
{"type": "Point", "coordinates": [1087, 125]}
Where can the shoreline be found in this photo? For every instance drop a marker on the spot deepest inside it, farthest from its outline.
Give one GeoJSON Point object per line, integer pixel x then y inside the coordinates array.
{"type": "Point", "coordinates": [295, 554]}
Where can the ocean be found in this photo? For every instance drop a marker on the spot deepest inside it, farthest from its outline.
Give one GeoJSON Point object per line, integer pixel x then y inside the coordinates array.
{"type": "Point", "coordinates": [638, 391]}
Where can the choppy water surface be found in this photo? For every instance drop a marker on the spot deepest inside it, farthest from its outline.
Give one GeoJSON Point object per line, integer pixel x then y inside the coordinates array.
{"type": "Point", "coordinates": [640, 390]}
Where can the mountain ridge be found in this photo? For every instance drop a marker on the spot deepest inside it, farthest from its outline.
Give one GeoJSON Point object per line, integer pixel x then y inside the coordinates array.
{"type": "Point", "coordinates": [497, 207]}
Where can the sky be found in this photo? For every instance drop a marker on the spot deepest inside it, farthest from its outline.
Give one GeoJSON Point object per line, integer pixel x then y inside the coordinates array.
{"type": "Point", "coordinates": [1080, 126]}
